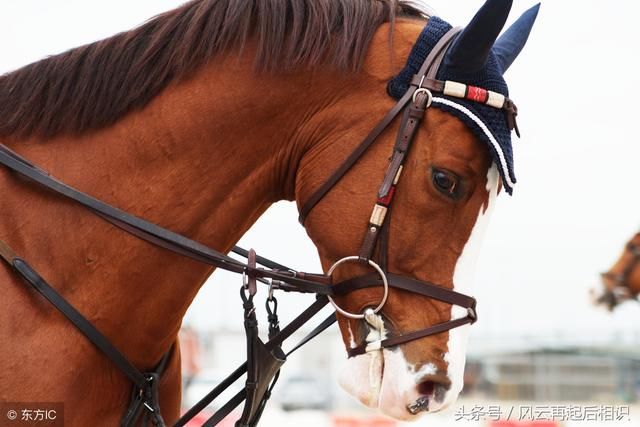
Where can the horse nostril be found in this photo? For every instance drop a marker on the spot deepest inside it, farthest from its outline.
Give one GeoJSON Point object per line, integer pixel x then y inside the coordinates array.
{"type": "Point", "coordinates": [434, 386]}
{"type": "Point", "coordinates": [426, 388]}
{"type": "Point", "coordinates": [430, 389]}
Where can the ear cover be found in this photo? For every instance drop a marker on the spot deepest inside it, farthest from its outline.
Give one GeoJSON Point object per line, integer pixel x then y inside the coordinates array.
{"type": "Point", "coordinates": [513, 40]}
{"type": "Point", "coordinates": [470, 50]}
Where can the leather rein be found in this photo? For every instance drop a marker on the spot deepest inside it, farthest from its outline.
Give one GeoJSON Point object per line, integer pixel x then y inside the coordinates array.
{"type": "Point", "coordinates": [265, 358]}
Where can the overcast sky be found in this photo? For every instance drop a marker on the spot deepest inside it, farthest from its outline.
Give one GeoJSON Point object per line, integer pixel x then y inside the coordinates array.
{"type": "Point", "coordinates": [576, 202]}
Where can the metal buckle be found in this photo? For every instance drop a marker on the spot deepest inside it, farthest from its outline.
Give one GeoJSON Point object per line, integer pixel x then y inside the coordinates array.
{"type": "Point", "coordinates": [385, 284]}
{"type": "Point", "coordinates": [423, 90]}
{"type": "Point", "coordinates": [429, 96]}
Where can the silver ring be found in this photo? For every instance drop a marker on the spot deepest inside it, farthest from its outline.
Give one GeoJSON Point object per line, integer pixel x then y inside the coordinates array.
{"type": "Point", "coordinates": [423, 90]}
{"type": "Point", "coordinates": [385, 284]}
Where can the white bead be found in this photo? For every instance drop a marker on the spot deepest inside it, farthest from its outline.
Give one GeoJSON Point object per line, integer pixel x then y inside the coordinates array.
{"type": "Point", "coordinates": [495, 99]}
{"type": "Point", "coordinates": [456, 89]}
{"type": "Point", "coordinates": [377, 217]}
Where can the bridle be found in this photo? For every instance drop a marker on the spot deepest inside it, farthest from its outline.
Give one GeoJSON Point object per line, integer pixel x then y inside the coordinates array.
{"type": "Point", "coordinates": [264, 359]}
{"type": "Point", "coordinates": [621, 289]}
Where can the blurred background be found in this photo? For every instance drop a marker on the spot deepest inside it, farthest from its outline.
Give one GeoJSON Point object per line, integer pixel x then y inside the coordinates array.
{"type": "Point", "coordinates": [540, 344]}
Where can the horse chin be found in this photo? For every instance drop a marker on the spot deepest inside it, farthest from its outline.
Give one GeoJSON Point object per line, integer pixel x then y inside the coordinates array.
{"type": "Point", "coordinates": [383, 380]}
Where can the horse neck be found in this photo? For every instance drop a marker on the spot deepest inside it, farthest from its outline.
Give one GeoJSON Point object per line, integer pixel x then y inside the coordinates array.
{"type": "Point", "coordinates": [206, 158]}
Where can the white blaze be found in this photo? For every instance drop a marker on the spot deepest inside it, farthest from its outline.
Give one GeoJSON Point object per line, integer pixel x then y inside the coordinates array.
{"type": "Point", "coordinates": [463, 283]}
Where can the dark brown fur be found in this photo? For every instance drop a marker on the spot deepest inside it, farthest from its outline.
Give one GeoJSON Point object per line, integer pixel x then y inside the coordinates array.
{"type": "Point", "coordinates": [93, 86]}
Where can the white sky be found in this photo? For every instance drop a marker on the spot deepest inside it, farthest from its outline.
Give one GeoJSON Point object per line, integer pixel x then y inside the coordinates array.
{"type": "Point", "coordinates": [576, 202]}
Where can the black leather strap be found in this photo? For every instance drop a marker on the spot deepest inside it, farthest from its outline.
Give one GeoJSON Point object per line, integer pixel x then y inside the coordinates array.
{"type": "Point", "coordinates": [160, 236]}
{"type": "Point", "coordinates": [277, 341]}
{"type": "Point", "coordinates": [412, 336]}
{"type": "Point", "coordinates": [417, 287]}
{"type": "Point", "coordinates": [351, 160]}
{"type": "Point", "coordinates": [30, 276]}
{"type": "Point", "coordinates": [431, 61]}
{"type": "Point", "coordinates": [145, 384]}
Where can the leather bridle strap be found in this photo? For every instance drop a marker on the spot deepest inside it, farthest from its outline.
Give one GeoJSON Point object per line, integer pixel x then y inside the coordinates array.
{"type": "Point", "coordinates": [406, 284]}
{"type": "Point", "coordinates": [351, 160]}
{"type": "Point", "coordinates": [159, 236]}
{"type": "Point", "coordinates": [417, 287]}
{"type": "Point", "coordinates": [412, 336]}
{"type": "Point", "coordinates": [277, 341]}
{"type": "Point", "coordinates": [410, 124]}
{"type": "Point", "coordinates": [145, 383]}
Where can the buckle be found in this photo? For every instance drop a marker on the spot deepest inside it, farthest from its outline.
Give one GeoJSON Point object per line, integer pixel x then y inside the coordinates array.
{"type": "Point", "coordinates": [427, 92]}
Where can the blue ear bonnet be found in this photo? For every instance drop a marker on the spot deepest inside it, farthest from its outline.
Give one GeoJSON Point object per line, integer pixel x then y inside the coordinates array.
{"type": "Point", "coordinates": [487, 123]}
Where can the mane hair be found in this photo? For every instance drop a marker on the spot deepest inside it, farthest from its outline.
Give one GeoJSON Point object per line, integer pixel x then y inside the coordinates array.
{"type": "Point", "coordinates": [93, 86]}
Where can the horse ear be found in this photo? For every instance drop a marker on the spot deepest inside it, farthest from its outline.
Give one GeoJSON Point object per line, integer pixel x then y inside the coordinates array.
{"type": "Point", "coordinates": [471, 48]}
{"type": "Point", "coordinates": [513, 40]}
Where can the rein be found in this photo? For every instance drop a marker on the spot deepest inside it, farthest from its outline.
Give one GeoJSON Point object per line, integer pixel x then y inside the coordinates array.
{"type": "Point", "coordinates": [264, 359]}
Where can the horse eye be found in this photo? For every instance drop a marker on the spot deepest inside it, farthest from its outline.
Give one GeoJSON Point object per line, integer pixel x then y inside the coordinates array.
{"type": "Point", "coordinates": [445, 182]}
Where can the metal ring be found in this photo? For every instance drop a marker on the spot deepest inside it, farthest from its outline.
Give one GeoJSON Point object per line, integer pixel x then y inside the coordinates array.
{"type": "Point", "coordinates": [429, 95]}
{"type": "Point", "coordinates": [385, 284]}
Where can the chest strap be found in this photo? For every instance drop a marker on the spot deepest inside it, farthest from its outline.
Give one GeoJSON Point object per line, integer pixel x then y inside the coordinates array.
{"type": "Point", "coordinates": [145, 389]}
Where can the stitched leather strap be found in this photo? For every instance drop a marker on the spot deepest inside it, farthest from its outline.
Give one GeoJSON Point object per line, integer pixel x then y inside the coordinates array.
{"type": "Point", "coordinates": [351, 160]}
{"type": "Point", "coordinates": [160, 236]}
{"type": "Point", "coordinates": [406, 284]}
{"type": "Point", "coordinates": [145, 384]}
{"type": "Point", "coordinates": [412, 336]}
{"type": "Point", "coordinates": [417, 287]}
{"type": "Point", "coordinates": [286, 332]}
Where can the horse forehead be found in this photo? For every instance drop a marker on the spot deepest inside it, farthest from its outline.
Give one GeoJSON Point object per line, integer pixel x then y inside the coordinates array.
{"type": "Point", "coordinates": [445, 137]}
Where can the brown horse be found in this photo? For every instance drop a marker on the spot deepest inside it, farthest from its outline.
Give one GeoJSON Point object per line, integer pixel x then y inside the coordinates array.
{"type": "Point", "coordinates": [622, 282]}
{"type": "Point", "coordinates": [199, 120]}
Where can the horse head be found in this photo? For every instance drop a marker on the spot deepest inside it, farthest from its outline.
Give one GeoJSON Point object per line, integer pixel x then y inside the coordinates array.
{"type": "Point", "coordinates": [460, 160]}
{"type": "Point", "coordinates": [622, 281]}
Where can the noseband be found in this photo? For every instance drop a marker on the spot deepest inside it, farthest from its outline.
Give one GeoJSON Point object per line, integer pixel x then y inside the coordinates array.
{"type": "Point", "coordinates": [621, 289]}
{"type": "Point", "coordinates": [264, 359]}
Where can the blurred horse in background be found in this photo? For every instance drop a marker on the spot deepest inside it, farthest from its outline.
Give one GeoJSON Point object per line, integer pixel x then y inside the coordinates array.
{"type": "Point", "coordinates": [622, 282]}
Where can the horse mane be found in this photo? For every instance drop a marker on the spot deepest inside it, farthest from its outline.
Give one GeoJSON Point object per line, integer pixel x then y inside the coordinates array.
{"type": "Point", "coordinates": [92, 86]}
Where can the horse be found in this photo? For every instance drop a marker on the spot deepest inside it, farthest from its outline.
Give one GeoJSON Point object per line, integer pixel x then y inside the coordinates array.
{"type": "Point", "coordinates": [622, 281]}
{"type": "Point", "coordinates": [200, 119]}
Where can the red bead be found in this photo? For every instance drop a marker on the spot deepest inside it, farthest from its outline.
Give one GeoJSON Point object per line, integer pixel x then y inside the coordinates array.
{"type": "Point", "coordinates": [477, 94]}
{"type": "Point", "coordinates": [386, 200]}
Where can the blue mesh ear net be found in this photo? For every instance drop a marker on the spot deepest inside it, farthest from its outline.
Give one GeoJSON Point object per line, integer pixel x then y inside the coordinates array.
{"type": "Point", "coordinates": [489, 77]}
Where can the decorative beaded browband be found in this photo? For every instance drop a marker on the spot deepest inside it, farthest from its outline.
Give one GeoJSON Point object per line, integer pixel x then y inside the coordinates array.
{"type": "Point", "coordinates": [472, 93]}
